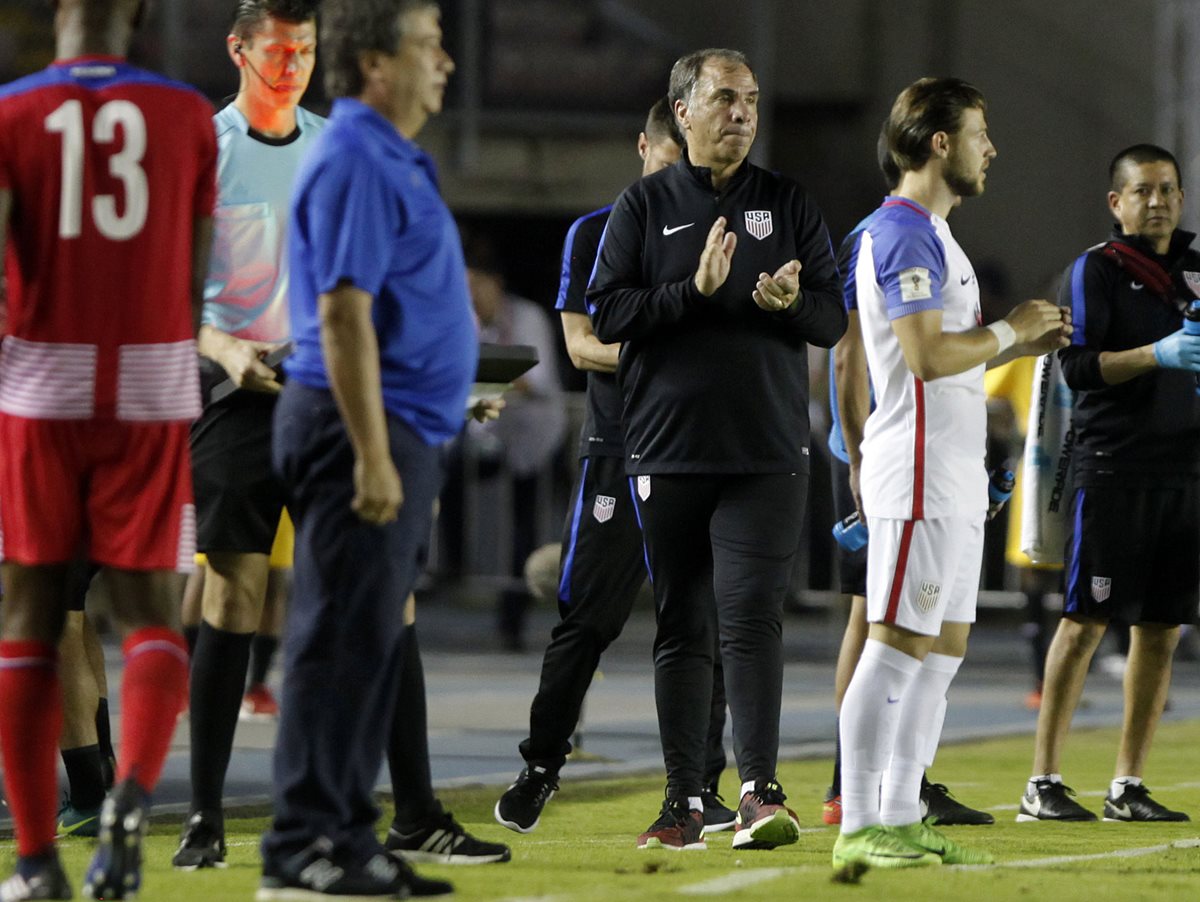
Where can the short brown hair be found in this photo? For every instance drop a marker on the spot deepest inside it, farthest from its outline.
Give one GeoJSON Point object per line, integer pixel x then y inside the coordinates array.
{"type": "Point", "coordinates": [924, 108]}
{"type": "Point", "coordinates": [350, 28]}
{"type": "Point", "coordinates": [661, 125]}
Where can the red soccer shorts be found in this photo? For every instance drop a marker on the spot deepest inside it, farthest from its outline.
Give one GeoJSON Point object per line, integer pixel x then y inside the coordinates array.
{"type": "Point", "coordinates": [118, 494]}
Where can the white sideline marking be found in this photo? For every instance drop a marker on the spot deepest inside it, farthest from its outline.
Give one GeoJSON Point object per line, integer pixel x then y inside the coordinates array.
{"type": "Point", "coordinates": [718, 886]}
{"type": "Point", "coordinates": [1193, 843]}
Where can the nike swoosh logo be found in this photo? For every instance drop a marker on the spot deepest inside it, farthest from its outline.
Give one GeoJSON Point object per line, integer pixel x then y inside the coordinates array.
{"type": "Point", "coordinates": [892, 701]}
{"type": "Point", "coordinates": [1136, 286]}
{"type": "Point", "coordinates": [1122, 811]}
{"type": "Point", "coordinates": [667, 231]}
{"type": "Point", "coordinates": [963, 280]}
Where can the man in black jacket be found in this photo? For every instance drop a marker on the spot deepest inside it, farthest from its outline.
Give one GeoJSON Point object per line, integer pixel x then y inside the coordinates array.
{"type": "Point", "coordinates": [603, 561]}
{"type": "Point", "coordinates": [715, 275]}
{"type": "Point", "coordinates": [1133, 547]}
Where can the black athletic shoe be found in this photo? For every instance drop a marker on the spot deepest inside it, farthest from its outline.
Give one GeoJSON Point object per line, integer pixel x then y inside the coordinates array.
{"type": "Point", "coordinates": [316, 872]}
{"type": "Point", "coordinates": [116, 868]}
{"type": "Point", "coordinates": [939, 807]}
{"type": "Point", "coordinates": [201, 844]}
{"type": "Point", "coordinates": [1051, 801]}
{"type": "Point", "coordinates": [1135, 804]}
{"type": "Point", "coordinates": [520, 808]}
{"type": "Point", "coordinates": [36, 878]}
{"type": "Point", "coordinates": [716, 816]}
{"type": "Point", "coordinates": [442, 840]}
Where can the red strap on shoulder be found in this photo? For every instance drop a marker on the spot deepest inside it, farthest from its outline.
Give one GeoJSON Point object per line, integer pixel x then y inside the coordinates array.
{"type": "Point", "coordinates": [1143, 269]}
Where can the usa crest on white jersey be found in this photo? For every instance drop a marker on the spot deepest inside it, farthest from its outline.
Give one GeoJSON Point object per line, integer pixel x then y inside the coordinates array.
{"type": "Point", "coordinates": [758, 223]}
{"type": "Point", "coordinates": [603, 509]}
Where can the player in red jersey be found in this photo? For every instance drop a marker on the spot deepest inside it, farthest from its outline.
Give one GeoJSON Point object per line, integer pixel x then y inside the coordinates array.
{"type": "Point", "coordinates": [107, 185]}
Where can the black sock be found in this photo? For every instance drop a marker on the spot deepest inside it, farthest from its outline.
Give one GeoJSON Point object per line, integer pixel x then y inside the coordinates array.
{"type": "Point", "coordinates": [835, 788]}
{"type": "Point", "coordinates": [218, 677]}
{"type": "Point", "coordinates": [190, 634]}
{"type": "Point", "coordinates": [262, 651]}
{"type": "Point", "coordinates": [85, 776]}
{"type": "Point", "coordinates": [408, 744]}
{"type": "Point", "coordinates": [108, 756]}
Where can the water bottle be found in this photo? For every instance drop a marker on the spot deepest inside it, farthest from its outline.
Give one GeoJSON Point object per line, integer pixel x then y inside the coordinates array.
{"type": "Point", "coordinates": [1001, 482]}
{"type": "Point", "coordinates": [1191, 325]}
{"type": "Point", "coordinates": [851, 533]}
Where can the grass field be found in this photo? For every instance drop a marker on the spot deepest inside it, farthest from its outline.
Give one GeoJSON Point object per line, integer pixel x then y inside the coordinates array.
{"type": "Point", "coordinates": [583, 851]}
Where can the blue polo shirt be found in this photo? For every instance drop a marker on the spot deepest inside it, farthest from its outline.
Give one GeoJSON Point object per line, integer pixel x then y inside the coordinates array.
{"type": "Point", "coordinates": [366, 211]}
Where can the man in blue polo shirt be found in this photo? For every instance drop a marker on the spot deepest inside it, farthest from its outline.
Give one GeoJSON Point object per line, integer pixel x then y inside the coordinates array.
{"type": "Point", "coordinates": [385, 354]}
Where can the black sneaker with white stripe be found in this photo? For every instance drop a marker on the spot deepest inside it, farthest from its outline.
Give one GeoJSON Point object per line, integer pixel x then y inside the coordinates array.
{"type": "Point", "coordinates": [318, 872]}
{"type": "Point", "coordinates": [1135, 804]}
{"type": "Point", "coordinates": [442, 840]}
{"type": "Point", "coordinates": [520, 808]}
{"type": "Point", "coordinates": [1051, 801]}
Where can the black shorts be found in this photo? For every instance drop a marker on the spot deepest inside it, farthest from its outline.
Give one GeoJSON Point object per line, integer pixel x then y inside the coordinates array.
{"type": "Point", "coordinates": [1133, 554]}
{"type": "Point", "coordinates": [80, 575]}
{"type": "Point", "coordinates": [852, 565]}
{"type": "Point", "coordinates": [238, 496]}
{"type": "Point", "coordinates": [603, 561]}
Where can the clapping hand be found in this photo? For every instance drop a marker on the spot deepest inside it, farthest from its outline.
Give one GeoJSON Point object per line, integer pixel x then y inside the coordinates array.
{"type": "Point", "coordinates": [778, 292]}
{"type": "Point", "coordinates": [716, 258]}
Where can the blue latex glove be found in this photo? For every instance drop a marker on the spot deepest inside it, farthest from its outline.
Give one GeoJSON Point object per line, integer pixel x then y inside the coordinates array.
{"type": "Point", "coordinates": [1178, 351]}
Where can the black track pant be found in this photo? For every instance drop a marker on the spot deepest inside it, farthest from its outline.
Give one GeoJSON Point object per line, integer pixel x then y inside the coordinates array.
{"type": "Point", "coordinates": [601, 569]}
{"type": "Point", "coordinates": [720, 550]}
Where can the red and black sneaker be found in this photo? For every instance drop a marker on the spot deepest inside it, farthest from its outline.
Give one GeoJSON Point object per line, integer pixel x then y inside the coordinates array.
{"type": "Point", "coordinates": [763, 821]}
{"type": "Point", "coordinates": [679, 827]}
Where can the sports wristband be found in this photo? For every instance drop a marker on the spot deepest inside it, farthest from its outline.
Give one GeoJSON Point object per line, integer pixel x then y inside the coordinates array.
{"type": "Point", "coordinates": [1005, 334]}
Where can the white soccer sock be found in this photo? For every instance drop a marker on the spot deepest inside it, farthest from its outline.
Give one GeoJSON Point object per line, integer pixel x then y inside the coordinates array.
{"type": "Point", "coordinates": [917, 737]}
{"type": "Point", "coordinates": [1031, 786]}
{"type": "Point", "coordinates": [1119, 783]}
{"type": "Point", "coordinates": [868, 721]}
{"type": "Point", "coordinates": [696, 803]}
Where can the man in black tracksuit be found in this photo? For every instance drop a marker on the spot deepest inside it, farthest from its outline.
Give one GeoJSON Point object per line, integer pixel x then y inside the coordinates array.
{"type": "Point", "coordinates": [602, 564]}
{"type": "Point", "coordinates": [715, 275]}
{"type": "Point", "coordinates": [1133, 546]}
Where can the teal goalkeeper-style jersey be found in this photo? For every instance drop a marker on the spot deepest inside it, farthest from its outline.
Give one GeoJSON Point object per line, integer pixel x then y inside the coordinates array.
{"type": "Point", "coordinates": [245, 293]}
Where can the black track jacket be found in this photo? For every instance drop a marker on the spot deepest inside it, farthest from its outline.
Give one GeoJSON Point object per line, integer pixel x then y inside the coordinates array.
{"type": "Point", "coordinates": [1145, 431]}
{"type": "Point", "coordinates": [713, 385]}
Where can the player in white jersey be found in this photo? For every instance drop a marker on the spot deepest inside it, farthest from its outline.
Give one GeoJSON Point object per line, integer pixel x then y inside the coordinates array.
{"type": "Point", "coordinates": [923, 484]}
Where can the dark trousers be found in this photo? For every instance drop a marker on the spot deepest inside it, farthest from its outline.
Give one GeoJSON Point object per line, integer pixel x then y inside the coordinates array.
{"type": "Point", "coordinates": [342, 650]}
{"type": "Point", "coordinates": [600, 571]}
{"type": "Point", "coordinates": [720, 551]}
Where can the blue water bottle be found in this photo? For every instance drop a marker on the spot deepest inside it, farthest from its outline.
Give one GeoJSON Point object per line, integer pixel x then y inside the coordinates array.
{"type": "Point", "coordinates": [1001, 483]}
{"type": "Point", "coordinates": [851, 532]}
{"type": "Point", "coordinates": [1191, 325]}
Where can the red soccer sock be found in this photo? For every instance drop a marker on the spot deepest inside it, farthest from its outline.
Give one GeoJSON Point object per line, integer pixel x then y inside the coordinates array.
{"type": "Point", "coordinates": [153, 693]}
{"type": "Point", "coordinates": [30, 723]}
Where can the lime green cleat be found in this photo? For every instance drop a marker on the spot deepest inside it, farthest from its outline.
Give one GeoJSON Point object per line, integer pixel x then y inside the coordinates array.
{"type": "Point", "coordinates": [923, 836]}
{"type": "Point", "coordinates": [876, 847]}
